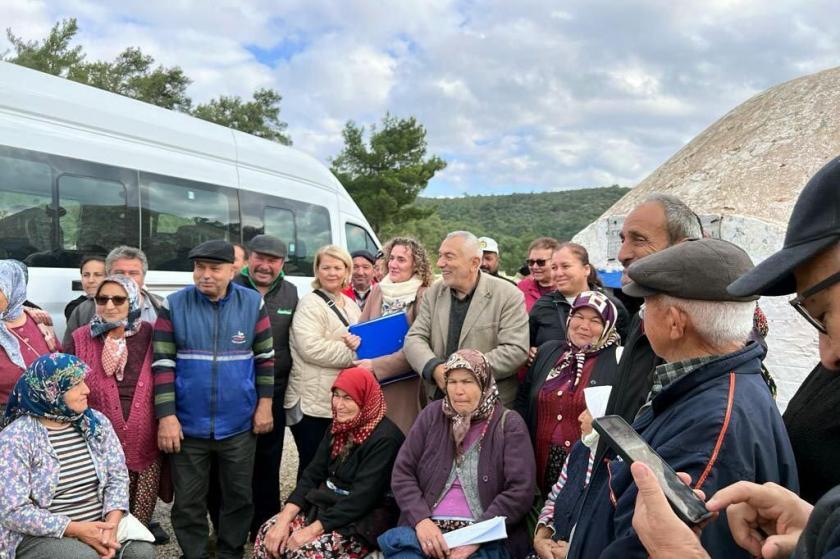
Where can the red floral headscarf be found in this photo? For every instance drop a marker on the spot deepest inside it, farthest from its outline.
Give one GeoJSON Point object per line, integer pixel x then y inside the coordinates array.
{"type": "Point", "coordinates": [359, 384]}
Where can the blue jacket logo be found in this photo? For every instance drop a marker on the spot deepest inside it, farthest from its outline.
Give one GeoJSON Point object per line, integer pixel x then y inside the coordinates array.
{"type": "Point", "coordinates": [239, 338]}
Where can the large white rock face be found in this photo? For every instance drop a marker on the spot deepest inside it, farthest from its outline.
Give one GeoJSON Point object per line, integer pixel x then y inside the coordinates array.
{"type": "Point", "coordinates": [742, 175]}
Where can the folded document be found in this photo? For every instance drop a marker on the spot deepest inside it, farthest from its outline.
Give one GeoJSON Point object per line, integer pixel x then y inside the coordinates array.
{"type": "Point", "coordinates": [480, 532]}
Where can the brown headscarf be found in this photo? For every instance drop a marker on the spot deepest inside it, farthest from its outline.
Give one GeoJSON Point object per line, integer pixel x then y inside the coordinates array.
{"type": "Point", "coordinates": [473, 361]}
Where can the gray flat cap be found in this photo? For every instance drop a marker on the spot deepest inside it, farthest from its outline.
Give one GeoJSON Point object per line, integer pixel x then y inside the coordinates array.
{"type": "Point", "coordinates": [267, 244]}
{"type": "Point", "coordinates": [695, 269]}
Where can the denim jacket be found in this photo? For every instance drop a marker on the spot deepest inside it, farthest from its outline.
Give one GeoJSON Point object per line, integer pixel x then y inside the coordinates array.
{"type": "Point", "coordinates": [29, 470]}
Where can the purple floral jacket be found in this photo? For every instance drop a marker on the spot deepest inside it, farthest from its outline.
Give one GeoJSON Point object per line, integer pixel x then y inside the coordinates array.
{"type": "Point", "coordinates": [29, 471]}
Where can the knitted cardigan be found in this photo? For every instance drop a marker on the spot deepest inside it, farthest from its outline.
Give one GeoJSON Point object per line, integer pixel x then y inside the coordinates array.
{"type": "Point", "coordinates": [138, 434]}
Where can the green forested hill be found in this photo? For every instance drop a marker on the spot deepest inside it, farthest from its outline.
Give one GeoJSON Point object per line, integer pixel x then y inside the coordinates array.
{"type": "Point", "coordinates": [514, 220]}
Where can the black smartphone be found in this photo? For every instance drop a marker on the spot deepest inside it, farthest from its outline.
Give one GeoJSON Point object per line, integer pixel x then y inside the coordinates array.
{"type": "Point", "coordinates": [633, 448]}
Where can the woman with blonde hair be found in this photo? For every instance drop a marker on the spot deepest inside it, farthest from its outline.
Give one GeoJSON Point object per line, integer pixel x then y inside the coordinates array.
{"type": "Point", "coordinates": [409, 274]}
{"type": "Point", "coordinates": [321, 347]}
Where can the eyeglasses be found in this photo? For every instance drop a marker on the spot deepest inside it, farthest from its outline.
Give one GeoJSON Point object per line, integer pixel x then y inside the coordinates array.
{"type": "Point", "coordinates": [118, 300]}
{"type": "Point", "coordinates": [536, 262]}
{"type": "Point", "coordinates": [798, 303]}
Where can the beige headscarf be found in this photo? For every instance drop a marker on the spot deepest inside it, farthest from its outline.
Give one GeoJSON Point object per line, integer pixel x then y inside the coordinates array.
{"type": "Point", "coordinates": [475, 362]}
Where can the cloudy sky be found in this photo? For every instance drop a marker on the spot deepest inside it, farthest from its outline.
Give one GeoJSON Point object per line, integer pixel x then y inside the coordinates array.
{"type": "Point", "coordinates": [517, 96]}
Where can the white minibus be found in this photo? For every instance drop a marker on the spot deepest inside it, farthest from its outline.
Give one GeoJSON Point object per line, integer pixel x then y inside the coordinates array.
{"type": "Point", "coordinates": [83, 170]}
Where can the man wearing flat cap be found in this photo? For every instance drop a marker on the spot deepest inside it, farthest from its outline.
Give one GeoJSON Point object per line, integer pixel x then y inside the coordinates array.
{"type": "Point", "coordinates": [264, 273]}
{"type": "Point", "coordinates": [362, 277]}
{"type": "Point", "coordinates": [710, 412]}
{"type": "Point", "coordinates": [809, 265]}
{"type": "Point", "coordinates": [214, 381]}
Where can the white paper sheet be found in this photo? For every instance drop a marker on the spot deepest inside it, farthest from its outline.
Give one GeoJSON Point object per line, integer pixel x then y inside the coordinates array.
{"type": "Point", "coordinates": [480, 532]}
{"type": "Point", "coordinates": [596, 400]}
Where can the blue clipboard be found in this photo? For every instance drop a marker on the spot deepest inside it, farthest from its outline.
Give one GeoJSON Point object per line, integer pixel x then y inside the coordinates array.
{"type": "Point", "coordinates": [381, 336]}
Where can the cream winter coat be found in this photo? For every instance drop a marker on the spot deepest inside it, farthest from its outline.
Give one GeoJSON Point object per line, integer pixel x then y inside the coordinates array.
{"type": "Point", "coordinates": [318, 353]}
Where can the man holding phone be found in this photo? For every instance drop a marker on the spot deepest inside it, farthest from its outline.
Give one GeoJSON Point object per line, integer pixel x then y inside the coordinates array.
{"type": "Point", "coordinates": [768, 520]}
{"type": "Point", "coordinates": [710, 413]}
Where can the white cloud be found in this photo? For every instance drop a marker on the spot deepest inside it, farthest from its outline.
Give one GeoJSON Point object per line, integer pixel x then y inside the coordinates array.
{"type": "Point", "coordinates": [516, 95]}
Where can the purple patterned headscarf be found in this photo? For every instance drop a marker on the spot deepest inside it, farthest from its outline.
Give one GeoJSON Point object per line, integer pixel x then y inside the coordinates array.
{"type": "Point", "coordinates": [605, 308]}
{"type": "Point", "coordinates": [572, 360]}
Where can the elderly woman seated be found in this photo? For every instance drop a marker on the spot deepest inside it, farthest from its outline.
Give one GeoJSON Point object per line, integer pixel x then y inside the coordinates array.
{"type": "Point", "coordinates": [339, 506]}
{"type": "Point", "coordinates": [466, 459]}
{"type": "Point", "coordinates": [65, 483]}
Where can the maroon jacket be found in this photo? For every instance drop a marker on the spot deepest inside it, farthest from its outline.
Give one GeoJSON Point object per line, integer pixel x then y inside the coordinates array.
{"type": "Point", "coordinates": [506, 471]}
{"type": "Point", "coordinates": [137, 432]}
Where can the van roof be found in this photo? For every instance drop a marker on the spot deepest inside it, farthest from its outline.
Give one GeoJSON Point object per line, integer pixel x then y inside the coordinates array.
{"type": "Point", "coordinates": [34, 94]}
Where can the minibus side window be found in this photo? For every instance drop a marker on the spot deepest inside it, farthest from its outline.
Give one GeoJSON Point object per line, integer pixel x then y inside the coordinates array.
{"type": "Point", "coordinates": [280, 223]}
{"type": "Point", "coordinates": [313, 232]}
{"type": "Point", "coordinates": [25, 207]}
{"type": "Point", "coordinates": [179, 215]}
{"type": "Point", "coordinates": [92, 214]}
{"type": "Point", "coordinates": [302, 226]}
{"type": "Point", "coordinates": [359, 239]}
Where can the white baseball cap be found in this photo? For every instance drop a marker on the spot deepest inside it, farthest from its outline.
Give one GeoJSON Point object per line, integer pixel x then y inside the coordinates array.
{"type": "Point", "coordinates": [488, 245]}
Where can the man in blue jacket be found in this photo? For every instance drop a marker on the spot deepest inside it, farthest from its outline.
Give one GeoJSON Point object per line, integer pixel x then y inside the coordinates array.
{"type": "Point", "coordinates": [214, 381]}
{"type": "Point", "coordinates": [710, 413]}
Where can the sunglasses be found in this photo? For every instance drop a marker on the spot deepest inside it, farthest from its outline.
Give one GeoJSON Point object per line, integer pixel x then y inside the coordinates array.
{"type": "Point", "coordinates": [536, 262]}
{"type": "Point", "coordinates": [798, 303]}
{"type": "Point", "coordinates": [118, 300]}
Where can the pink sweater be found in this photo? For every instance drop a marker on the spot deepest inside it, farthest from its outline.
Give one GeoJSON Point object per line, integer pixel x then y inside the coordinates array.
{"type": "Point", "coordinates": [137, 434]}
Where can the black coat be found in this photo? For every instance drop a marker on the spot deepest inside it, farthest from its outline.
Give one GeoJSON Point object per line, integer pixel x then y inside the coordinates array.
{"type": "Point", "coordinates": [71, 306]}
{"type": "Point", "coordinates": [813, 424]}
{"type": "Point", "coordinates": [821, 537]}
{"type": "Point", "coordinates": [603, 373]}
{"type": "Point", "coordinates": [547, 319]}
{"type": "Point", "coordinates": [280, 303]}
{"type": "Point", "coordinates": [365, 474]}
{"type": "Point", "coordinates": [634, 378]}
